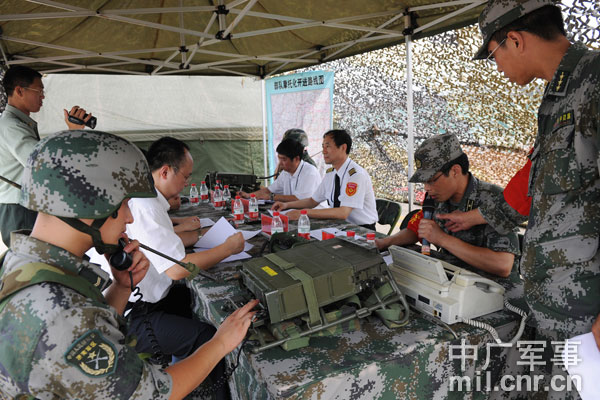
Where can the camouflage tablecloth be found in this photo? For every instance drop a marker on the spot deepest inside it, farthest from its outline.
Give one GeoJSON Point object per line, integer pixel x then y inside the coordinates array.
{"type": "Point", "coordinates": [412, 362]}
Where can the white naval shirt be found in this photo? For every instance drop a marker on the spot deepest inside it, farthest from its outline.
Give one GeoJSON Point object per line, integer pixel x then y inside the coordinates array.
{"type": "Point", "coordinates": [301, 184]}
{"type": "Point", "coordinates": [152, 227]}
{"type": "Point", "coordinates": [356, 191]}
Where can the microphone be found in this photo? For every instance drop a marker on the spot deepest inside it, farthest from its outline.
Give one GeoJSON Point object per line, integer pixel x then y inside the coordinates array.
{"type": "Point", "coordinates": [428, 208]}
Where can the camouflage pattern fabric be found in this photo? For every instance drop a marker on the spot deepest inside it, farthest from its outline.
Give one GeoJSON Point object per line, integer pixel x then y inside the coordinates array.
{"type": "Point", "coordinates": [482, 194]}
{"type": "Point", "coordinates": [296, 134]}
{"type": "Point", "coordinates": [499, 13]}
{"type": "Point", "coordinates": [561, 262]}
{"type": "Point", "coordinates": [433, 154]}
{"type": "Point", "coordinates": [56, 343]}
{"type": "Point", "coordinates": [90, 173]}
{"type": "Point", "coordinates": [373, 362]}
{"type": "Point", "coordinates": [299, 136]}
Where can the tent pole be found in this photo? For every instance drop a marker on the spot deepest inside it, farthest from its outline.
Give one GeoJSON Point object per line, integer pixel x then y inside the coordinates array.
{"type": "Point", "coordinates": [409, 107]}
{"type": "Point", "coordinates": [264, 124]}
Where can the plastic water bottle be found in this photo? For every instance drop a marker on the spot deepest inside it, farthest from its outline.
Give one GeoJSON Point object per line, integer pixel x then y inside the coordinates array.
{"type": "Point", "coordinates": [253, 207]}
{"type": "Point", "coordinates": [218, 199]}
{"type": "Point", "coordinates": [194, 200]}
{"type": "Point", "coordinates": [203, 192]}
{"type": "Point", "coordinates": [238, 210]}
{"type": "Point", "coordinates": [276, 223]}
{"type": "Point", "coordinates": [218, 183]}
{"type": "Point", "coordinates": [304, 225]}
{"type": "Point", "coordinates": [227, 196]}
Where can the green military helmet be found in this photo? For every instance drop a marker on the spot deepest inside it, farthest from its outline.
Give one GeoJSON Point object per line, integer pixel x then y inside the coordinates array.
{"type": "Point", "coordinates": [296, 134]}
{"type": "Point", "coordinates": [84, 174]}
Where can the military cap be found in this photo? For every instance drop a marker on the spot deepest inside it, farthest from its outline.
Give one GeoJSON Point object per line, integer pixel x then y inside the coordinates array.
{"type": "Point", "coordinates": [499, 13]}
{"type": "Point", "coordinates": [296, 134]}
{"type": "Point", "coordinates": [433, 154]}
{"type": "Point", "coordinates": [84, 174]}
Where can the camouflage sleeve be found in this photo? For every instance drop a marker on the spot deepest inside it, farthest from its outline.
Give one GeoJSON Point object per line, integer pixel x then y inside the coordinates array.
{"type": "Point", "coordinates": [83, 354]}
{"type": "Point", "coordinates": [500, 215]}
{"type": "Point", "coordinates": [508, 243]}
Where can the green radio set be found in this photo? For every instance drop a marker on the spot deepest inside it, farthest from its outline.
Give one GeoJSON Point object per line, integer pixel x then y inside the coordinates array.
{"type": "Point", "coordinates": [318, 288]}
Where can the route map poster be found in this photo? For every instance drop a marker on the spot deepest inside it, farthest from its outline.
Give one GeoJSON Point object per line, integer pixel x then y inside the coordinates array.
{"type": "Point", "coordinates": [305, 101]}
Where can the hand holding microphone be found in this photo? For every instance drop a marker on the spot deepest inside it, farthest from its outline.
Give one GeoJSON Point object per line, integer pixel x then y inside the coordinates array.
{"type": "Point", "coordinates": [428, 208]}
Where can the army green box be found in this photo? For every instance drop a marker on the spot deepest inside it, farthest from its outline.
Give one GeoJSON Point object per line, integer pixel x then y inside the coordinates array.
{"type": "Point", "coordinates": [336, 268]}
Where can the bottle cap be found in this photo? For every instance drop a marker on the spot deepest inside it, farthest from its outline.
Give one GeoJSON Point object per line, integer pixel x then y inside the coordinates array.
{"type": "Point", "coordinates": [193, 184]}
{"type": "Point", "coordinates": [276, 213]}
{"type": "Point", "coordinates": [204, 182]}
{"type": "Point", "coordinates": [303, 212]}
{"type": "Point", "coordinates": [226, 186]}
{"type": "Point", "coordinates": [216, 187]}
{"type": "Point", "coordinates": [252, 195]}
{"type": "Point", "coordinates": [237, 197]}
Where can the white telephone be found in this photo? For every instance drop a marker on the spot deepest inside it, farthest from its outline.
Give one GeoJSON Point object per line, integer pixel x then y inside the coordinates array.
{"type": "Point", "coordinates": [440, 289]}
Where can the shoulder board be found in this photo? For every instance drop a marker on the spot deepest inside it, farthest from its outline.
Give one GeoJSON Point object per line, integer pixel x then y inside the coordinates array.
{"type": "Point", "coordinates": [558, 86]}
{"type": "Point", "coordinates": [329, 170]}
{"type": "Point", "coordinates": [351, 172]}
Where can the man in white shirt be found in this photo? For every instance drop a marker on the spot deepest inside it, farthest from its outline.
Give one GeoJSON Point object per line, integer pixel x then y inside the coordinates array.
{"type": "Point", "coordinates": [346, 186]}
{"type": "Point", "coordinates": [297, 180]}
{"type": "Point", "coordinates": [165, 306]}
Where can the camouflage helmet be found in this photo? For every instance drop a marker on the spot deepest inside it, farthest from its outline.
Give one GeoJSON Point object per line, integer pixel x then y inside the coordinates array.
{"type": "Point", "coordinates": [433, 154]}
{"type": "Point", "coordinates": [499, 13]}
{"type": "Point", "coordinates": [84, 174]}
{"type": "Point", "coordinates": [296, 134]}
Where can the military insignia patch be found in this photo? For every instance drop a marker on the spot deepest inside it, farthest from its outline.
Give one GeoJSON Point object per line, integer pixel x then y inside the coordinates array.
{"type": "Point", "coordinates": [329, 170]}
{"type": "Point", "coordinates": [417, 163]}
{"type": "Point", "coordinates": [351, 188]}
{"type": "Point", "coordinates": [352, 172]}
{"type": "Point", "coordinates": [92, 354]}
{"type": "Point", "coordinates": [564, 120]}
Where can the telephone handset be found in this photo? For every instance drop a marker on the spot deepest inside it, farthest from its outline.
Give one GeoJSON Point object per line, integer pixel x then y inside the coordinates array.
{"type": "Point", "coordinates": [121, 260]}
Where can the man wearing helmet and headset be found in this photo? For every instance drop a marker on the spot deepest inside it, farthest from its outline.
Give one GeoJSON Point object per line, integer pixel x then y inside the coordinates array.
{"type": "Point", "coordinates": [59, 336]}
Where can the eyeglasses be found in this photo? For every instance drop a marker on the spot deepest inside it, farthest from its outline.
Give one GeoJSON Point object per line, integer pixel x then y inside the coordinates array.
{"type": "Point", "coordinates": [40, 91]}
{"type": "Point", "coordinates": [433, 180]}
{"type": "Point", "coordinates": [490, 58]}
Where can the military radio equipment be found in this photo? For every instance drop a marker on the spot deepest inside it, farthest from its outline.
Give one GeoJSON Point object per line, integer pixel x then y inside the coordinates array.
{"type": "Point", "coordinates": [236, 181]}
{"type": "Point", "coordinates": [320, 288]}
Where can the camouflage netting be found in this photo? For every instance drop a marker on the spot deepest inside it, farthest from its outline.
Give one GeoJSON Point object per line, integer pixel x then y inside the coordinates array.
{"type": "Point", "coordinates": [494, 119]}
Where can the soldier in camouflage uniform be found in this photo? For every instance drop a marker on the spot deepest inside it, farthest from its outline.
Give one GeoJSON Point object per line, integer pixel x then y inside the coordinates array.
{"type": "Point", "coordinates": [59, 336]}
{"type": "Point", "coordinates": [561, 262]}
{"type": "Point", "coordinates": [443, 167]}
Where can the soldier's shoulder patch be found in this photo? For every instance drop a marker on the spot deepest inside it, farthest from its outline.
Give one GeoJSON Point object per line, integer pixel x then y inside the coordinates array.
{"type": "Point", "coordinates": [352, 172]}
{"type": "Point", "coordinates": [330, 170]}
{"type": "Point", "coordinates": [92, 354]}
{"type": "Point", "coordinates": [351, 188]}
{"type": "Point", "coordinates": [564, 119]}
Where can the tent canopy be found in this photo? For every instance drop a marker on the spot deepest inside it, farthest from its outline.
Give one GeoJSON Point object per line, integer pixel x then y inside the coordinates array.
{"type": "Point", "coordinates": [212, 37]}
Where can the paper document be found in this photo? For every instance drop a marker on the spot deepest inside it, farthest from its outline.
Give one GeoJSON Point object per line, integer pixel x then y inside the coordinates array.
{"type": "Point", "coordinates": [587, 364]}
{"type": "Point", "coordinates": [206, 222]}
{"type": "Point", "coordinates": [249, 234]}
{"type": "Point", "coordinates": [216, 235]}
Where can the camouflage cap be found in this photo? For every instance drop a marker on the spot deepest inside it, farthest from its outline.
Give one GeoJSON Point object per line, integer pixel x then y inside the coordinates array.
{"type": "Point", "coordinates": [433, 154]}
{"type": "Point", "coordinates": [296, 134]}
{"type": "Point", "coordinates": [499, 13]}
{"type": "Point", "coordinates": [84, 174]}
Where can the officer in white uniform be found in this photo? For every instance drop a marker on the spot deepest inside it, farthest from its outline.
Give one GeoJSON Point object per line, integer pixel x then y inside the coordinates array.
{"type": "Point", "coordinates": [346, 187]}
{"type": "Point", "coordinates": [297, 180]}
